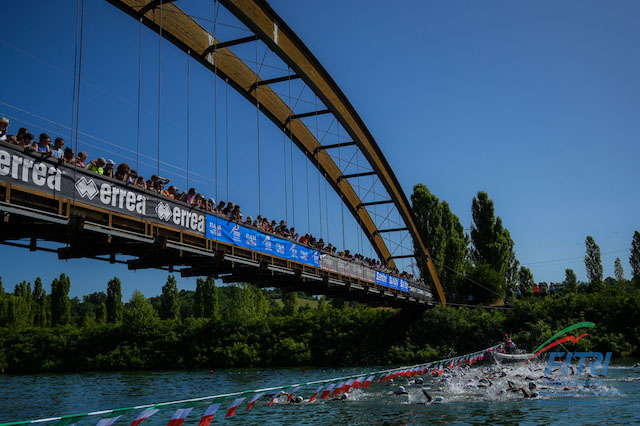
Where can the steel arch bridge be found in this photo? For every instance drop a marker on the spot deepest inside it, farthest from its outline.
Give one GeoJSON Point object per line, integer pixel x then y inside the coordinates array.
{"type": "Point", "coordinates": [182, 30]}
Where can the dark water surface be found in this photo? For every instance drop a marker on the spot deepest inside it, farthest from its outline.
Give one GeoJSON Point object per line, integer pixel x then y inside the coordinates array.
{"type": "Point", "coordinates": [25, 397]}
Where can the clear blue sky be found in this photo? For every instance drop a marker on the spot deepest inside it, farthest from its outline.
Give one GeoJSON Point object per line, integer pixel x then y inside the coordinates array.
{"type": "Point", "coordinates": [536, 103]}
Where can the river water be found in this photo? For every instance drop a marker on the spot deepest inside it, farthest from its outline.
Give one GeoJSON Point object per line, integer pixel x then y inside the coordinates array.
{"type": "Point", "coordinates": [25, 397]}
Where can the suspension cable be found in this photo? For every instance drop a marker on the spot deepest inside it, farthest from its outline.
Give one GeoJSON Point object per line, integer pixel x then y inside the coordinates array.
{"type": "Point", "coordinates": [75, 169]}
{"type": "Point", "coordinates": [258, 140]}
{"type": "Point", "coordinates": [139, 95]}
{"type": "Point", "coordinates": [226, 130]}
{"type": "Point", "coordinates": [318, 167]}
{"type": "Point", "coordinates": [159, 110]}
{"type": "Point", "coordinates": [284, 161]}
{"type": "Point", "coordinates": [188, 109]}
{"type": "Point", "coordinates": [293, 199]}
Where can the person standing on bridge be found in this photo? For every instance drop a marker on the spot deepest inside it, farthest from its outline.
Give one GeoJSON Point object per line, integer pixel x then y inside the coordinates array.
{"type": "Point", "coordinates": [4, 126]}
{"type": "Point", "coordinates": [96, 166]}
{"type": "Point", "coordinates": [42, 147]}
{"type": "Point", "coordinates": [58, 149]}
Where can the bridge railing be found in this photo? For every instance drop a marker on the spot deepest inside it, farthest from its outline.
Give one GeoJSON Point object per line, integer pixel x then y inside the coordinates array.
{"type": "Point", "coordinates": [38, 172]}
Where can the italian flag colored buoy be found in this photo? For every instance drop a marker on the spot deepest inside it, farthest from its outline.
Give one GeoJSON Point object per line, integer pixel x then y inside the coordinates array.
{"type": "Point", "coordinates": [253, 401]}
{"type": "Point", "coordinates": [313, 397]}
{"type": "Point", "coordinates": [234, 407]}
{"type": "Point", "coordinates": [209, 413]}
{"type": "Point", "coordinates": [144, 415]}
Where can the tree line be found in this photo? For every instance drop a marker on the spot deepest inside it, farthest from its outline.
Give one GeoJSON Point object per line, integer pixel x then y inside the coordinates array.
{"type": "Point", "coordinates": [480, 267]}
{"type": "Point", "coordinates": [245, 326]}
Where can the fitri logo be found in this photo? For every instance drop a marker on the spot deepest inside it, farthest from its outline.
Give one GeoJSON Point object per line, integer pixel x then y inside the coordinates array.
{"type": "Point", "coordinates": [164, 211]}
{"type": "Point", "coordinates": [87, 188]}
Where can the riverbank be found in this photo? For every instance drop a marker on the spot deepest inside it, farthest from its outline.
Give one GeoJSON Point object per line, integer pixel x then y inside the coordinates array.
{"type": "Point", "coordinates": [328, 336]}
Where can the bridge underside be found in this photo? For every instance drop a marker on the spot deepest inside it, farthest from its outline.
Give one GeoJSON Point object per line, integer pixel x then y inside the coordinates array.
{"type": "Point", "coordinates": [29, 218]}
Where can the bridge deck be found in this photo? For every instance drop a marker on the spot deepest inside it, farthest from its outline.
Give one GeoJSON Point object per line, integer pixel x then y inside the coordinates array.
{"type": "Point", "coordinates": [92, 216]}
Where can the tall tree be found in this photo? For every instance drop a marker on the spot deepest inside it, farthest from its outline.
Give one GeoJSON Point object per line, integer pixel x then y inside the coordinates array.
{"type": "Point", "coordinates": [634, 259]}
{"type": "Point", "coordinates": [198, 299]}
{"type": "Point", "coordinates": [570, 281]}
{"type": "Point", "coordinates": [169, 300]}
{"type": "Point", "coordinates": [443, 236]}
{"type": "Point", "coordinates": [114, 301]}
{"type": "Point", "coordinates": [60, 303]}
{"type": "Point", "coordinates": [492, 243]}
{"type": "Point", "coordinates": [593, 264]}
{"type": "Point", "coordinates": [206, 304]}
{"type": "Point", "coordinates": [139, 314]}
{"type": "Point", "coordinates": [525, 278]}
{"type": "Point", "coordinates": [101, 313]}
{"type": "Point", "coordinates": [619, 272]}
{"type": "Point", "coordinates": [289, 302]}
{"type": "Point", "coordinates": [39, 304]}
{"type": "Point", "coordinates": [211, 304]}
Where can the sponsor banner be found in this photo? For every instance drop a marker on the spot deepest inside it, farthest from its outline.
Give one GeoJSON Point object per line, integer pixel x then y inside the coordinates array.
{"type": "Point", "coordinates": [230, 232]}
{"type": "Point", "coordinates": [328, 262]}
{"type": "Point", "coordinates": [382, 279]}
{"type": "Point", "coordinates": [370, 275]}
{"type": "Point", "coordinates": [393, 282]}
{"type": "Point", "coordinates": [45, 175]}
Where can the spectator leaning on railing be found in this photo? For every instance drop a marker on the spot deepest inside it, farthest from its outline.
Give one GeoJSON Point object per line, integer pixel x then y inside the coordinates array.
{"type": "Point", "coordinates": [4, 127]}
{"type": "Point", "coordinates": [230, 210]}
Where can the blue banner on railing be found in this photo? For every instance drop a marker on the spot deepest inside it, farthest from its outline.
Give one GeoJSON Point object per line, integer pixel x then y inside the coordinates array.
{"type": "Point", "coordinates": [382, 279]}
{"type": "Point", "coordinates": [230, 232]}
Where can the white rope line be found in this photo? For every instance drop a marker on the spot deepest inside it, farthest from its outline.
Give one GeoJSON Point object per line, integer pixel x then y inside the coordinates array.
{"type": "Point", "coordinates": [253, 391]}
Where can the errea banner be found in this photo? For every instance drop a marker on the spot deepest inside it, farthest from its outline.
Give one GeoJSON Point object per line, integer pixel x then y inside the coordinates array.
{"type": "Point", "coordinates": [34, 171]}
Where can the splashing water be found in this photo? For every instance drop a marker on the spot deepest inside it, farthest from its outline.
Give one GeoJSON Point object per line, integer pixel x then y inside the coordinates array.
{"type": "Point", "coordinates": [483, 393]}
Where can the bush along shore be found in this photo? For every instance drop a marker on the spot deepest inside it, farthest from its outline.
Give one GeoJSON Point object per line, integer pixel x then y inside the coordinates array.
{"type": "Point", "coordinates": [243, 326]}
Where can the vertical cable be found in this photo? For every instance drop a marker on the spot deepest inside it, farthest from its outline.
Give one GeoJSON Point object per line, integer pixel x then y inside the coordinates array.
{"type": "Point", "coordinates": [326, 208]}
{"type": "Point", "coordinates": [159, 109]}
{"type": "Point", "coordinates": [284, 161]}
{"type": "Point", "coordinates": [318, 166]}
{"type": "Point", "coordinates": [226, 131]}
{"type": "Point", "coordinates": [258, 137]}
{"type": "Point", "coordinates": [340, 187]}
{"type": "Point", "coordinates": [188, 109]}
{"type": "Point", "coordinates": [75, 74]}
{"type": "Point", "coordinates": [293, 199]}
{"type": "Point", "coordinates": [139, 94]}
{"type": "Point", "coordinates": [77, 62]}
{"type": "Point", "coordinates": [216, 8]}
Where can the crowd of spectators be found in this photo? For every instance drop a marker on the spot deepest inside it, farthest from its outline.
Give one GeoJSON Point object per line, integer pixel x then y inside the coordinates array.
{"type": "Point", "coordinates": [124, 173]}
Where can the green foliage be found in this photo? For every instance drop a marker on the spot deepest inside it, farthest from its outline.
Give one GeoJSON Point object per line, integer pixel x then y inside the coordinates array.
{"type": "Point", "coordinates": [101, 313]}
{"type": "Point", "coordinates": [443, 236]}
{"type": "Point", "coordinates": [139, 315]}
{"type": "Point", "coordinates": [60, 303]}
{"type": "Point", "coordinates": [593, 264]}
{"type": "Point", "coordinates": [570, 281]}
{"type": "Point", "coordinates": [483, 283]}
{"type": "Point", "coordinates": [289, 302]}
{"type": "Point", "coordinates": [322, 304]}
{"type": "Point", "coordinates": [206, 299]}
{"type": "Point", "coordinates": [114, 301]}
{"type": "Point", "coordinates": [634, 259]}
{"type": "Point", "coordinates": [525, 278]}
{"type": "Point", "coordinates": [39, 304]}
{"type": "Point", "coordinates": [619, 272]}
{"type": "Point", "coordinates": [492, 243]}
{"type": "Point", "coordinates": [169, 301]}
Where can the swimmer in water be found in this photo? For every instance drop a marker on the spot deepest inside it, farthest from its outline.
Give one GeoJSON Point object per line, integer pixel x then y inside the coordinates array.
{"type": "Point", "coordinates": [401, 391]}
{"type": "Point", "coordinates": [418, 381]}
{"type": "Point", "coordinates": [430, 399]}
{"type": "Point", "coordinates": [342, 397]}
{"type": "Point", "coordinates": [296, 400]}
